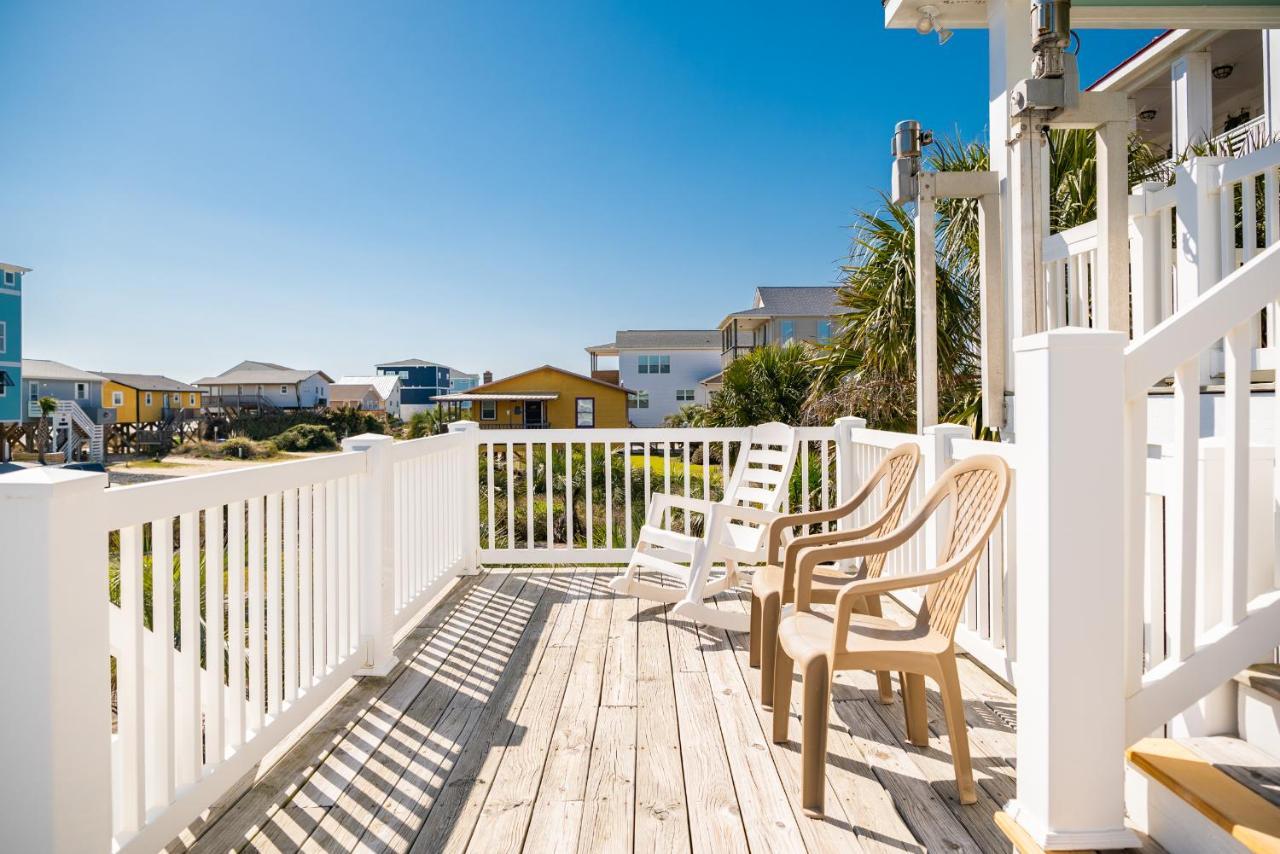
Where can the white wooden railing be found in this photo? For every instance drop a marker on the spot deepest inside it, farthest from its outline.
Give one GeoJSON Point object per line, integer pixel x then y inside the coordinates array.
{"type": "Point", "coordinates": [237, 603]}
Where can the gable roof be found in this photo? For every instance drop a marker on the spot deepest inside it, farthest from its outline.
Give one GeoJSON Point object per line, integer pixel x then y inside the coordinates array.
{"type": "Point", "coordinates": [262, 373]}
{"type": "Point", "coordinates": [481, 389]}
{"type": "Point", "coordinates": [663, 339]}
{"type": "Point", "coordinates": [384, 385]}
{"type": "Point", "coordinates": [410, 363]}
{"type": "Point", "coordinates": [818, 301]}
{"type": "Point", "coordinates": [148, 382]}
{"type": "Point", "coordinates": [47, 369]}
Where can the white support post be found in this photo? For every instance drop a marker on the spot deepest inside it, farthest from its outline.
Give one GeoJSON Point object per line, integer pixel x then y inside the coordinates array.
{"type": "Point", "coordinates": [991, 299]}
{"type": "Point", "coordinates": [56, 786]}
{"type": "Point", "coordinates": [377, 553]}
{"type": "Point", "coordinates": [1028, 168]}
{"type": "Point", "coordinates": [937, 459]}
{"type": "Point", "coordinates": [471, 470]}
{"type": "Point", "coordinates": [846, 475]}
{"type": "Point", "coordinates": [1070, 598]}
{"type": "Point", "coordinates": [926, 305]}
{"type": "Point", "coordinates": [1112, 297]}
{"type": "Point", "coordinates": [1145, 264]}
{"type": "Point", "coordinates": [1192, 99]}
{"type": "Point", "coordinates": [1196, 190]}
{"type": "Point", "coordinates": [1271, 80]}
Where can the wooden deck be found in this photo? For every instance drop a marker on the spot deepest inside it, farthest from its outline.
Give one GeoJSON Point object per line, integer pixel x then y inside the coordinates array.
{"type": "Point", "coordinates": [534, 710]}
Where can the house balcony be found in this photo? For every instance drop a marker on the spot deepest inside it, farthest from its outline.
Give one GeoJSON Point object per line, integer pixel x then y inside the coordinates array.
{"type": "Point", "coordinates": [416, 649]}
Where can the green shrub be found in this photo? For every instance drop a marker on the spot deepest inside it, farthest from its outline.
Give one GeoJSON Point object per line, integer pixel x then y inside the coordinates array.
{"type": "Point", "coordinates": [306, 437]}
{"type": "Point", "coordinates": [243, 448]}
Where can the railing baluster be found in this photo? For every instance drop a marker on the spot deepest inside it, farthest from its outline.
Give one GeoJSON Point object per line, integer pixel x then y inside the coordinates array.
{"type": "Point", "coordinates": [587, 501]}
{"type": "Point", "coordinates": [257, 615]}
{"type": "Point", "coordinates": [274, 668]}
{"type": "Point", "coordinates": [188, 744]}
{"type": "Point", "coordinates": [803, 450]}
{"type": "Point", "coordinates": [1235, 506]}
{"type": "Point", "coordinates": [290, 592]}
{"type": "Point", "coordinates": [511, 500]}
{"type": "Point", "coordinates": [215, 643]}
{"type": "Point", "coordinates": [352, 522]}
{"type": "Point", "coordinates": [608, 495]}
{"type": "Point", "coordinates": [626, 486]}
{"type": "Point", "coordinates": [825, 447]}
{"type": "Point", "coordinates": [306, 624]}
{"type": "Point", "coordinates": [160, 689]}
{"type": "Point", "coordinates": [1184, 483]}
{"type": "Point", "coordinates": [568, 495]}
{"type": "Point", "coordinates": [332, 595]}
{"type": "Point", "coordinates": [131, 684]}
{"type": "Point", "coordinates": [235, 625]}
{"type": "Point", "coordinates": [528, 491]}
{"type": "Point", "coordinates": [492, 507]}
{"type": "Point", "coordinates": [685, 458]}
{"type": "Point", "coordinates": [548, 475]}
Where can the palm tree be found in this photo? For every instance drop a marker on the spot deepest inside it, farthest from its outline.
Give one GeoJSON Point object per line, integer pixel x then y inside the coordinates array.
{"type": "Point", "coordinates": [869, 366]}
{"type": "Point", "coordinates": [689, 415]}
{"type": "Point", "coordinates": [48, 406]}
{"type": "Point", "coordinates": [768, 384]}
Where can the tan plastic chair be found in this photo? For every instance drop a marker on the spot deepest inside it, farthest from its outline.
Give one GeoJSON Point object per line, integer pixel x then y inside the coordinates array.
{"type": "Point", "coordinates": [773, 586]}
{"type": "Point", "coordinates": [976, 491]}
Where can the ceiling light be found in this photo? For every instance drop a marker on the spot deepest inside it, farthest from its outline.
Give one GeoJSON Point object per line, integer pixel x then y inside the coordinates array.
{"type": "Point", "coordinates": [1222, 72]}
{"type": "Point", "coordinates": [929, 23]}
{"type": "Point", "coordinates": [1147, 115]}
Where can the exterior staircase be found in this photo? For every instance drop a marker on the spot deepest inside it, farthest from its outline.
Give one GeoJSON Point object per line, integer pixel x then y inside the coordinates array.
{"type": "Point", "coordinates": [71, 416]}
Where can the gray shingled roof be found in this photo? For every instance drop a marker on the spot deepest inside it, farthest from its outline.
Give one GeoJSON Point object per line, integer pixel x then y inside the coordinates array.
{"type": "Point", "coordinates": [818, 302]}
{"type": "Point", "coordinates": [148, 382]}
{"type": "Point", "coordinates": [261, 373]}
{"type": "Point", "coordinates": [47, 369]}
{"type": "Point", "coordinates": [667, 339]}
{"type": "Point", "coordinates": [411, 363]}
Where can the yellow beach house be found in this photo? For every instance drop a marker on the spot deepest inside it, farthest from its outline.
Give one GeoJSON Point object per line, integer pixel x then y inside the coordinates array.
{"type": "Point", "coordinates": [148, 398]}
{"type": "Point", "coordinates": [545, 397]}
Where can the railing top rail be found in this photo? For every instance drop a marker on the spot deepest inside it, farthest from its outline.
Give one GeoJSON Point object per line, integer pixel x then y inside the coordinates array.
{"type": "Point", "coordinates": [1187, 334]}
{"type": "Point", "coordinates": [1063, 244]}
{"type": "Point", "coordinates": [962, 449]}
{"type": "Point", "coordinates": [1250, 165]}
{"type": "Point", "coordinates": [428, 445]}
{"type": "Point", "coordinates": [134, 505]}
{"type": "Point", "coordinates": [616, 435]}
{"type": "Point", "coordinates": [885, 438]}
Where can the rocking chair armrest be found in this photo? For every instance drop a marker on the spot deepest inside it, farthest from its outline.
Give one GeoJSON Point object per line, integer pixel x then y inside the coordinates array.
{"type": "Point", "coordinates": [742, 514]}
{"type": "Point", "coordinates": [660, 502]}
{"type": "Point", "coordinates": [813, 517]}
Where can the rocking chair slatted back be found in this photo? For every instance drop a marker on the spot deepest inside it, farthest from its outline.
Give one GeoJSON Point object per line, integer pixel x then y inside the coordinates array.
{"type": "Point", "coordinates": [761, 477]}
{"type": "Point", "coordinates": [977, 490]}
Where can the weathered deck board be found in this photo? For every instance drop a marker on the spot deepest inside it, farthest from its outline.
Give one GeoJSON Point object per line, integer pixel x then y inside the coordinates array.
{"type": "Point", "coordinates": [534, 710]}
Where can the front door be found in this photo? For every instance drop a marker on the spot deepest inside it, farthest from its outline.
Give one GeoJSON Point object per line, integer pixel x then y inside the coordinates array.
{"type": "Point", "coordinates": [533, 413]}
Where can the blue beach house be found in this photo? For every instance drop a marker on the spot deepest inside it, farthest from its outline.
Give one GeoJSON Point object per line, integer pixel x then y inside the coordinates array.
{"type": "Point", "coordinates": [421, 382]}
{"type": "Point", "coordinates": [10, 344]}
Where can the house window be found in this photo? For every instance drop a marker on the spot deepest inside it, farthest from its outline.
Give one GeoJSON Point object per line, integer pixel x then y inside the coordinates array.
{"type": "Point", "coordinates": [488, 410]}
{"type": "Point", "coordinates": [117, 398]}
{"type": "Point", "coordinates": [9, 278]}
{"type": "Point", "coordinates": [4, 336]}
{"type": "Point", "coordinates": [284, 389]}
{"type": "Point", "coordinates": [788, 331]}
{"type": "Point", "coordinates": [586, 412]}
{"type": "Point", "coordinates": [191, 398]}
{"type": "Point", "coordinates": [655, 364]}
{"type": "Point", "coordinates": [638, 400]}
{"type": "Point", "coordinates": [684, 395]}
{"type": "Point", "coordinates": [82, 391]}
{"type": "Point", "coordinates": [824, 331]}
{"type": "Point", "coordinates": [147, 398]}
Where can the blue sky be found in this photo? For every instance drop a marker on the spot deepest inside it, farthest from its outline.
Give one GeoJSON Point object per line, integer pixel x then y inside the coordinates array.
{"type": "Point", "coordinates": [492, 185]}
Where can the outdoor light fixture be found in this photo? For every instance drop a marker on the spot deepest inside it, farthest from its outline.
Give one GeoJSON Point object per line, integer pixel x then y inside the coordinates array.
{"type": "Point", "coordinates": [1147, 115]}
{"type": "Point", "coordinates": [929, 23]}
{"type": "Point", "coordinates": [1222, 72]}
{"type": "Point", "coordinates": [906, 148]}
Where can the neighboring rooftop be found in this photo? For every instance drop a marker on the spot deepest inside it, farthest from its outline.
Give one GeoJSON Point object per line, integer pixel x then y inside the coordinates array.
{"type": "Point", "coordinates": [261, 373]}
{"type": "Point", "coordinates": [147, 382]}
{"type": "Point", "coordinates": [660, 339]}
{"type": "Point", "coordinates": [792, 302]}
{"type": "Point", "coordinates": [47, 369]}
{"type": "Point", "coordinates": [342, 392]}
{"type": "Point", "coordinates": [385, 386]}
{"type": "Point", "coordinates": [411, 363]}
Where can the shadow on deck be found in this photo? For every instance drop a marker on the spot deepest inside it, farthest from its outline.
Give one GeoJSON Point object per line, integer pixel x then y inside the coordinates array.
{"type": "Point", "coordinates": [533, 709]}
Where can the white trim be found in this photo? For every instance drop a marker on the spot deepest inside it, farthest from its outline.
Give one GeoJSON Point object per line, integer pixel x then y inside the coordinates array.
{"type": "Point", "coordinates": [117, 399]}
{"type": "Point", "coordinates": [4, 336]}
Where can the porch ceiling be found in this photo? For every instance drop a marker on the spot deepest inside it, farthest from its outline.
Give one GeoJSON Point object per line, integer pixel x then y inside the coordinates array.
{"type": "Point", "coordinates": [1102, 14]}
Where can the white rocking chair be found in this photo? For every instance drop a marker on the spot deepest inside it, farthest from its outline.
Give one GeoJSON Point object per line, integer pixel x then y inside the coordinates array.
{"type": "Point", "coordinates": [735, 530]}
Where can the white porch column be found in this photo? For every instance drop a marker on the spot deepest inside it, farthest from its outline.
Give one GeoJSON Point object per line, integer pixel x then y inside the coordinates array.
{"type": "Point", "coordinates": [471, 470]}
{"type": "Point", "coordinates": [1113, 226]}
{"type": "Point", "coordinates": [1009, 60]}
{"type": "Point", "coordinates": [1070, 597]}
{"type": "Point", "coordinates": [926, 305]}
{"type": "Point", "coordinates": [1192, 81]}
{"type": "Point", "coordinates": [56, 786]}
{"type": "Point", "coordinates": [1145, 264]}
{"type": "Point", "coordinates": [377, 553]}
{"type": "Point", "coordinates": [1198, 215]}
{"type": "Point", "coordinates": [1271, 79]}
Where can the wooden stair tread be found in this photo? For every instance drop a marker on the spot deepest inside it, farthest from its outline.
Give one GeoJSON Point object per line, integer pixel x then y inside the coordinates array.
{"type": "Point", "coordinates": [1024, 844]}
{"type": "Point", "coordinates": [1263, 678]}
{"type": "Point", "coordinates": [1250, 819]}
{"type": "Point", "coordinates": [1250, 766]}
